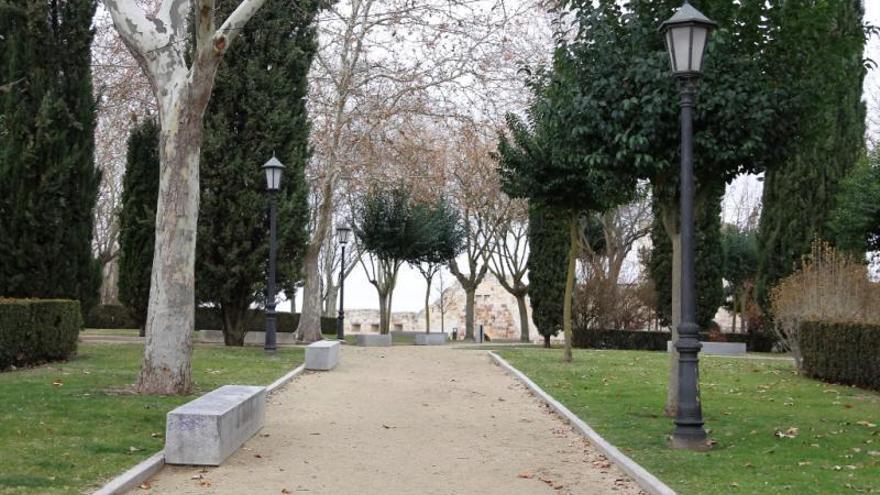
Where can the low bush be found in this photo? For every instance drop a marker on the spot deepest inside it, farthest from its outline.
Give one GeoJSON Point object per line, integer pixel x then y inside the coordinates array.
{"type": "Point", "coordinates": [619, 339]}
{"type": "Point", "coordinates": [636, 340]}
{"type": "Point", "coordinates": [841, 352]}
{"type": "Point", "coordinates": [33, 331]}
{"type": "Point", "coordinates": [110, 316]}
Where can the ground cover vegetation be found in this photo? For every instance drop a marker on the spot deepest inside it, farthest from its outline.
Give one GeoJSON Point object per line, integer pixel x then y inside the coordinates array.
{"type": "Point", "coordinates": [66, 427]}
{"type": "Point", "coordinates": [773, 431]}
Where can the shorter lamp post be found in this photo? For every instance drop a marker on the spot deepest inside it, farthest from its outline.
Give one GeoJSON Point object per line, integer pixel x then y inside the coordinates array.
{"type": "Point", "coordinates": [686, 34]}
{"type": "Point", "coordinates": [273, 169]}
{"type": "Point", "coordinates": [343, 232]}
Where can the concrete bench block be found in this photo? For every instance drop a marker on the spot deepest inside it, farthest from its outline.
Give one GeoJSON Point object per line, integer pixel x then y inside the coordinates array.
{"type": "Point", "coordinates": [206, 431]}
{"type": "Point", "coordinates": [322, 355]}
{"type": "Point", "coordinates": [373, 340]}
{"type": "Point", "coordinates": [718, 348]}
{"type": "Point", "coordinates": [430, 338]}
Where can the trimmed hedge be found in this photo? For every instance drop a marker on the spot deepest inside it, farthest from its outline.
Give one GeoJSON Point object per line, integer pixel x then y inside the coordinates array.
{"type": "Point", "coordinates": [636, 340]}
{"type": "Point", "coordinates": [110, 316]}
{"type": "Point", "coordinates": [33, 331]}
{"type": "Point", "coordinates": [841, 352]}
{"type": "Point", "coordinates": [116, 316]}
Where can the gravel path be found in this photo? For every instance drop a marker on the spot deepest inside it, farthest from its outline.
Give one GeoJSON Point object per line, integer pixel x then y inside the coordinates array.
{"type": "Point", "coordinates": [406, 420]}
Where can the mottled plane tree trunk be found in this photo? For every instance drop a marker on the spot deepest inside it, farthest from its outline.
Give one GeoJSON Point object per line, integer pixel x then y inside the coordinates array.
{"type": "Point", "coordinates": [182, 90]}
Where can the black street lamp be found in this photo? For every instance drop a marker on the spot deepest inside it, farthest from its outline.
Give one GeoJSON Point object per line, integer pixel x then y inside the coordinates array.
{"type": "Point", "coordinates": [342, 234]}
{"type": "Point", "coordinates": [273, 169]}
{"type": "Point", "coordinates": [686, 34]}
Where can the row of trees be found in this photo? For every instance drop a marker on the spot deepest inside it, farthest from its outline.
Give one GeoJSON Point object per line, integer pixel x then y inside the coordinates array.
{"type": "Point", "coordinates": [604, 119]}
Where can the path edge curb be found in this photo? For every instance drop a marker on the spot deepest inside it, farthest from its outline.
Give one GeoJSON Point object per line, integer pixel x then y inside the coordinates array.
{"type": "Point", "coordinates": [640, 475]}
{"type": "Point", "coordinates": [131, 479]}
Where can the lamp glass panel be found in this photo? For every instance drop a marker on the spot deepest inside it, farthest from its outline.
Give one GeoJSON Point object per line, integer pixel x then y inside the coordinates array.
{"type": "Point", "coordinates": [681, 43]}
{"type": "Point", "coordinates": [343, 233]}
{"type": "Point", "coordinates": [670, 48]}
{"type": "Point", "coordinates": [273, 178]}
{"type": "Point", "coordinates": [700, 34]}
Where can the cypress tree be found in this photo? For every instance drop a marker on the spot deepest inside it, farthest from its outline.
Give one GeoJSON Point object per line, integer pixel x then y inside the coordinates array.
{"type": "Point", "coordinates": [258, 109]}
{"type": "Point", "coordinates": [818, 58]}
{"type": "Point", "coordinates": [137, 220]}
{"type": "Point", "coordinates": [547, 267]}
{"type": "Point", "coordinates": [48, 179]}
{"type": "Point", "coordinates": [709, 266]}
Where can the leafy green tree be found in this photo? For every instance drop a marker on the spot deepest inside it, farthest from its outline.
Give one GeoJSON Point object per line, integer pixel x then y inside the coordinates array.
{"type": "Point", "coordinates": [740, 248]}
{"type": "Point", "coordinates": [137, 219]}
{"type": "Point", "coordinates": [547, 268]}
{"type": "Point", "coordinates": [817, 57]}
{"type": "Point", "coordinates": [259, 109]}
{"type": "Point", "coordinates": [394, 229]}
{"type": "Point", "coordinates": [48, 179]}
{"type": "Point", "coordinates": [855, 223]}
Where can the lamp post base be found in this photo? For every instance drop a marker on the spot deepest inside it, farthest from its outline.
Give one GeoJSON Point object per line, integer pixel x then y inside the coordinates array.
{"type": "Point", "coordinates": [689, 439]}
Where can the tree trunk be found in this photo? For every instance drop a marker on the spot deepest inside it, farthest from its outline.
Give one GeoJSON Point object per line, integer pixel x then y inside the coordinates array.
{"type": "Point", "coordinates": [309, 328]}
{"type": "Point", "coordinates": [546, 341]}
{"type": "Point", "coordinates": [470, 295]}
{"type": "Point", "coordinates": [110, 282]}
{"type": "Point", "coordinates": [672, 390]}
{"type": "Point", "coordinates": [523, 317]}
{"type": "Point", "coordinates": [569, 287]}
{"type": "Point", "coordinates": [428, 307]}
{"type": "Point", "coordinates": [383, 313]}
{"type": "Point", "coordinates": [733, 323]}
{"type": "Point", "coordinates": [234, 324]}
{"type": "Point", "coordinates": [166, 367]}
{"type": "Point", "coordinates": [330, 308]}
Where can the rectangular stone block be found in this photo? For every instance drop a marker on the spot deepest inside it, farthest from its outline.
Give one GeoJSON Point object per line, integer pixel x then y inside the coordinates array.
{"type": "Point", "coordinates": [373, 340]}
{"type": "Point", "coordinates": [718, 348]}
{"type": "Point", "coordinates": [205, 431]}
{"type": "Point", "coordinates": [322, 355]}
{"type": "Point", "coordinates": [430, 338]}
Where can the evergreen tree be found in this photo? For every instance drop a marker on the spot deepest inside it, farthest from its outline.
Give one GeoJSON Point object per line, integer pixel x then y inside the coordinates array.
{"type": "Point", "coordinates": [548, 249]}
{"type": "Point", "coordinates": [855, 222]}
{"type": "Point", "coordinates": [709, 266]}
{"type": "Point", "coordinates": [258, 109]}
{"type": "Point", "coordinates": [818, 59]}
{"type": "Point", "coordinates": [48, 179]}
{"type": "Point", "coordinates": [137, 220]}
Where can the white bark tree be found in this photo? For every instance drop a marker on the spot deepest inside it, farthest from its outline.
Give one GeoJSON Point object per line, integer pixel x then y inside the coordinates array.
{"type": "Point", "coordinates": [182, 90]}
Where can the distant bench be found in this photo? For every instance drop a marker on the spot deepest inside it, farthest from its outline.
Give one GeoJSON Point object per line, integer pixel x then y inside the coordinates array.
{"type": "Point", "coordinates": [718, 348]}
{"type": "Point", "coordinates": [207, 430]}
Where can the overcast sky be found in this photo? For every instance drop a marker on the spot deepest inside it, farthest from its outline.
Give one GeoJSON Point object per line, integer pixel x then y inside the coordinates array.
{"type": "Point", "coordinates": [410, 292]}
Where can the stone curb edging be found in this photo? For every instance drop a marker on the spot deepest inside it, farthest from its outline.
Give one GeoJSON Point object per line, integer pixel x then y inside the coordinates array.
{"type": "Point", "coordinates": [645, 479]}
{"type": "Point", "coordinates": [132, 478]}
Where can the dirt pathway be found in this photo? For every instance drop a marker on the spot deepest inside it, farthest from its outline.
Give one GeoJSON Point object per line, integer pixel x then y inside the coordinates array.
{"type": "Point", "coordinates": [406, 420]}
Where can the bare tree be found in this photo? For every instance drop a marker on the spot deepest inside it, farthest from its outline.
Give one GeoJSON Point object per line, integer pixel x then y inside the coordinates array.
{"type": "Point", "coordinates": [380, 61]}
{"type": "Point", "coordinates": [331, 263]}
{"type": "Point", "coordinates": [182, 90]}
{"type": "Point", "coordinates": [443, 300]}
{"type": "Point", "coordinates": [510, 258]}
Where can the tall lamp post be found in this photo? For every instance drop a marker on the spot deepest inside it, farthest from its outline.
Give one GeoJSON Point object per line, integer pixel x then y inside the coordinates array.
{"type": "Point", "coordinates": [686, 33]}
{"type": "Point", "coordinates": [273, 169]}
{"type": "Point", "coordinates": [342, 234]}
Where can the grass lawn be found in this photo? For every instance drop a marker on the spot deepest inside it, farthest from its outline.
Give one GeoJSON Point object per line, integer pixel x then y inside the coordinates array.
{"type": "Point", "coordinates": [67, 427]}
{"type": "Point", "coordinates": [776, 432]}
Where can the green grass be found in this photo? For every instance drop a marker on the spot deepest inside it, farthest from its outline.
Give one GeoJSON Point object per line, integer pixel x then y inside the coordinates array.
{"type": "Point", "coordinates": [121, 332]}
{"type": "Point", "coordinates": [836, 444]}
{"type": "Point", "coordinates": [67, 427]}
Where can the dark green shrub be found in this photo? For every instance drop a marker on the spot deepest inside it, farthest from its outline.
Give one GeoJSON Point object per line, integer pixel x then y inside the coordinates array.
{"type": "Point", "coordinates": [255, 321]}
{"type": "Point", "coordinates": [37, 330]}
{"type": "Point", "coordinates": [328, 325]}
{"type": "Point", "coordinates": [620, 339]}
{"type": "Point", "coordinates": [110, 316]}
{"type": "Point", "coordinates": [841, 352]}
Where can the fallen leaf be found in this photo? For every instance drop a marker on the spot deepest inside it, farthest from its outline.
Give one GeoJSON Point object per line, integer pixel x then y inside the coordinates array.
{"type": "Point", "coordinates": [145, 485]}
{"type": "Point", "coordinates": [526, 475]}
{"type": "Point", "coordinates": [285, 491]}
{"type": "Point", "coordinates": [258, 456]}
{"type": "Point", "coordinates": [134, 449]}
{"type": "Point", "coordinates": [57, 383]}
{"type": "Point", "coordinates": [155, 435]}
{"type": "Point", "coordinates": [734, 484]}
{"type": "Point", "coordinates": [867, 424]}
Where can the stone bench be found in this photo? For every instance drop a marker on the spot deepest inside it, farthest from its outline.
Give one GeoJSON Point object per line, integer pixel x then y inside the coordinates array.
{"type": "Point", "coordinates": [718, 348]}
{"type": "Point", "coordinates": [430, 338]}
{"type": "Point", "coordinates": [206, 431]}
{"type": "Point", "coordinates": [373, 340]}
{"type": "Point", "coordinates": [322, 355]}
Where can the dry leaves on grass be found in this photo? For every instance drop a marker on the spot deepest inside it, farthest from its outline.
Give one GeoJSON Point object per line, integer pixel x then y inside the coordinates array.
{"type": "Point", "coordinates": [789, 433]}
